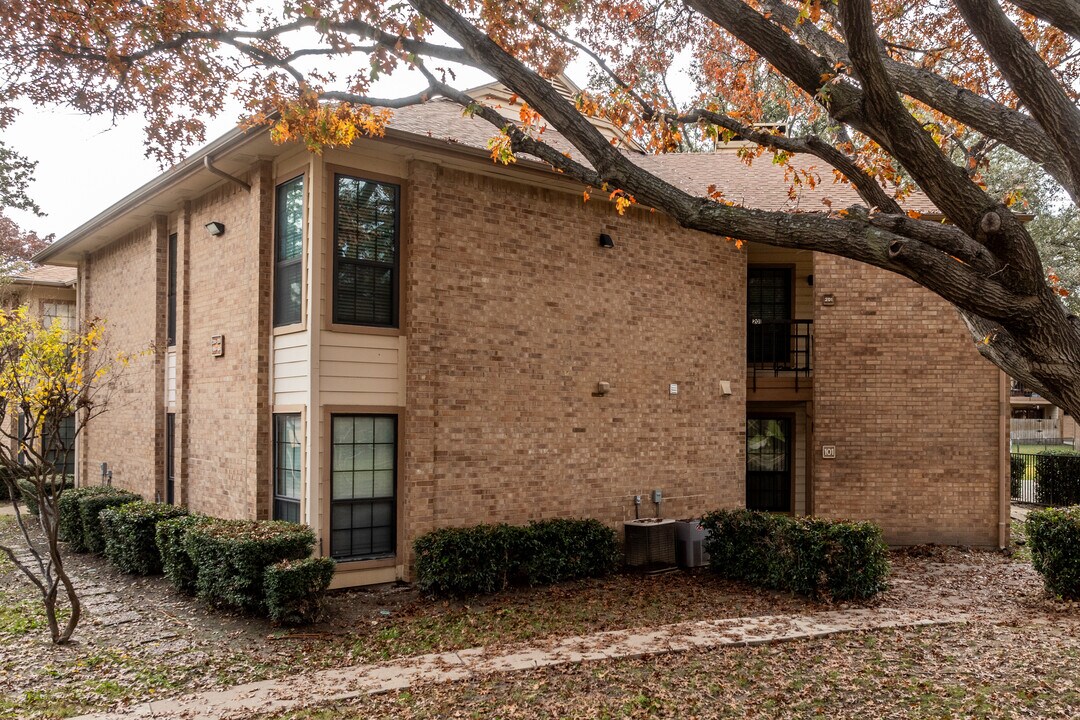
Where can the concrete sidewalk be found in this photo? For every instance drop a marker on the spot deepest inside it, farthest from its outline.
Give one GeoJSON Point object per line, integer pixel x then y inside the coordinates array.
{"type": "Point", "coordinates": [304, 690]}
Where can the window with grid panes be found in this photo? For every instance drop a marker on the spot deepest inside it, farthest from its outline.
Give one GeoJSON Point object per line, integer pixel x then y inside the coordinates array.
{"type": "Point", "coordinates": [288, 252]}
{"type": "Point", "coordinates": [365, 251]}
{"type": "Point", "coordinates": [363, 486]}
{"type": "Point", "coordinates": [287, 443]}
{"type": "Point", "coordinates": [53, 310]}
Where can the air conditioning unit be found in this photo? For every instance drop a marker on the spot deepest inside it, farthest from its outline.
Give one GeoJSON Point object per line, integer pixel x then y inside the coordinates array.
{"type": "Point", "coordinates": [690, 544]}
{"type": "Point", "coordinates": [650, 543]}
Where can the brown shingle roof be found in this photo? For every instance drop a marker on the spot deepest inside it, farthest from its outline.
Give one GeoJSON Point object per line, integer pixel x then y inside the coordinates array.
{"type": "Point", "coordinates": [47, 275]}
{"type": "Point", "coordinates": [761, 185]}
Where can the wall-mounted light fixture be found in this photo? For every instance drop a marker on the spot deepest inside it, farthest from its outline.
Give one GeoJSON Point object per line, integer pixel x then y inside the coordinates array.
{"type": "Point", "coordinates": [606, 241]}
{"type": "Point", "coordinates": [215, 228]}
{"type": "Point", "coordinates": [810, 280]}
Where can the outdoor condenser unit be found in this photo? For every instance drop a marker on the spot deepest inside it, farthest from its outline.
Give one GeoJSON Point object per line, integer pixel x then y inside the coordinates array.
{"type": "Point", "coordinates": [690, 544]}
{"type": "Point", "coordinates": [650, 543]}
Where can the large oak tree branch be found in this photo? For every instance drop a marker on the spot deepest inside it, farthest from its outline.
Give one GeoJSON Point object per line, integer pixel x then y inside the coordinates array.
{"type": "Point", "coordinates": [1004, 124]}
{"type": "Point", "coordinates": [1062, 14]}
{"type": "Point", "coordinates": [1032, 81]}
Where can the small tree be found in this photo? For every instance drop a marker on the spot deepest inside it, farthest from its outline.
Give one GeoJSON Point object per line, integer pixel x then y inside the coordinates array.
{"type": "Point", "coordinates": [52, 383]}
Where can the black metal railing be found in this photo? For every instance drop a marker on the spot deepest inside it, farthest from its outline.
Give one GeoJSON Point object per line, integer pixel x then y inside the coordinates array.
{"type": "Point", "coordinates": [1043, 479]}
{"type": "Point", "coordinates": [780, 348]}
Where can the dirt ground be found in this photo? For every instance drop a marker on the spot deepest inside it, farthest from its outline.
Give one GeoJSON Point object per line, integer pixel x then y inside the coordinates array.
{"type": "Point", "coordinates": [141, 639]}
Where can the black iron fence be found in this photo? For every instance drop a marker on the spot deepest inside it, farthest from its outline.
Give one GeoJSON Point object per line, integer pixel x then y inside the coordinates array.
{"type": "Point", "coordinates": [779, 347]}
{"type": "Point", "coordinates": [1045, 478]}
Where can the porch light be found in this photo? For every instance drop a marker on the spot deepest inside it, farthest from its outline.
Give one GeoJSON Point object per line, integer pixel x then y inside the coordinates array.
{"type": "Point", "coordinates": [606, 241]}
{"type": "Point", "coordinates": [215, 228]}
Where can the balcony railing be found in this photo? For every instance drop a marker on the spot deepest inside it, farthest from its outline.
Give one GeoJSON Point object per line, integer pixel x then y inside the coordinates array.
{"type": "Point", "coordinates": [780, 348]}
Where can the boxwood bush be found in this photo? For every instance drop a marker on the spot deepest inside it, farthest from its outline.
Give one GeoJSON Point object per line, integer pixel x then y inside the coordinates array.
{"type": "Point", "coordinates": [28, 491]}
{"type": "Point", "coordinates": [231, 557]}
{"type": "Point", "coordinates": [129, 535]}
{"type": "Point", "coordinates": [1057, 477]}
{"type": "Point", "coordinates": [175, 562]}
{"type": "Point", "coordinates": [90, 505]}
{"type": "Point", "coordinates": [562, 549]}
{"type": "Point", "coordinates": [1017, 468]}
{"type": "Point", "coordinates": [71, 529]}
{"type": "Point", "coordinates": [9, 479]}
{"type": "Point", "coordinates": [820, 558]}
{"type": "Point", "coordinates": [489, 558]}
{"type": "Point", "coordinates": [295, 589]}
{"type": "Point", "coordinates": [1053, 535]}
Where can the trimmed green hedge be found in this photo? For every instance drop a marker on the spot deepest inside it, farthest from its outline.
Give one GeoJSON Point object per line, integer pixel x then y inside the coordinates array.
{"type": "Point", "coordinates": [819, 558]}
{"type": "Point", "coordinates": [28, 492]}
{"type": "Point", "coordinates": [90, 505]}
{"type": "Point", "coordinates": [1057, 477]}
{"type": "Point", "coordinates": [13, 475]}
{"type": "Point", "coordinates": [129, 535]}
{"type": "Point", "coordinates": [1017, 467]}
{"type": "Point", "coordinates": [231, 556]}
{"type": "Point", "coordinates": [175, 562]}
{"type": "Point", "coordinates": [490, 558]}
{"type": "Point", "coordinates": [295, 589]}
{"type": "Point", "coordinates": [1053, 535]}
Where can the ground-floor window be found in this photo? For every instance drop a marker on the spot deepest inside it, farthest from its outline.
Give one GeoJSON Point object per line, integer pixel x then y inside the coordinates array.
{"type": "Point", "coordinates": [58, 451]}
{"type": "Point", "coordinates": [363, 494]}
{"type": "Point", "coordinates": [287, 443]}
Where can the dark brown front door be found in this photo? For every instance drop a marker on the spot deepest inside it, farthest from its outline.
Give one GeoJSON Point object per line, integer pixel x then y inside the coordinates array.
{"type": "Point", "coordinates": [768, 463]}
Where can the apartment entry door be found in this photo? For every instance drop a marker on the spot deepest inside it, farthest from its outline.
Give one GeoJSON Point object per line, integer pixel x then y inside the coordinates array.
{"type": "Point", "coordinates": [769, 442]}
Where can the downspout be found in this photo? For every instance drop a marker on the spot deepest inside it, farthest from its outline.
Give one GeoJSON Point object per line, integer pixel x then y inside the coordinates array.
{"type": "Point", "coordinates": [1004, 466]}
{"type": "Point", "coordinates": [208, 163]}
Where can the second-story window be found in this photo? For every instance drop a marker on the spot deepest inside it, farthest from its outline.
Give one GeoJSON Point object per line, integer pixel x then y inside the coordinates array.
{"type": "Point", "coordinates": [170, 299]}
{"type": "Point", "coordinates": [288, 253]}
{"type": "Point", "coordinates": [365, 251]}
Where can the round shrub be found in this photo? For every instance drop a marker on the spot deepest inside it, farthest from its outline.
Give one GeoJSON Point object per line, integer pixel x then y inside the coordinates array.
{"type": "Point", "coordinates": [90, 505]}
{"type": "Point", "coordinates": [568, 549]}
{"type": "Point", "coordinates": [177, 565]}
{"type": "Point", "coordinates": [1017, 468]}
{"type": "Point", "coordinates": [1053, 535]}
{"type": "Point", "coordinates": [231, 556]}
{"type": "Point", "coordinates": [830, 559]}
{"type": "Point", "coordinates": [28, 493]}
{"type": "Point", "coordinates": [490, 558]}
{"type": "Point", "coordinates": [1057, 477]}
{"type": "Point", "coordinates": [70, 529]}
{"type": "Point", "coordinates": [129, 535]}
{"type": "Point", "coordinates": [295, 589]}
{"type": "Point", "coordinates": [462, 561]}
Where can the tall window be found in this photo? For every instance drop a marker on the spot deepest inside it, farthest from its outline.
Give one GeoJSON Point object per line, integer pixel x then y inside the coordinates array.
{"type": "Point", "coordinates": [53, 310]}
{"type": "Point", "coordinates": [288, 252]}
{"type": "Point", "coordinates": [287, 439]}
{"type": "Point", "coordinates": [170, 299]}
{"type": "Point", "coordinates": [365, 251]}
{"type": "Point", "coordinates": [170, 458]}
{"type": "Point", "coordinates": [57, 450]}
{"type": "Point", "coordinates": [362, 496]}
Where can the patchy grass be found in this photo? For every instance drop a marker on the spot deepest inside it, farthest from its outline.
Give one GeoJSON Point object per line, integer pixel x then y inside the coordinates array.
{"type": "Point", "coordinates": [966, 671]}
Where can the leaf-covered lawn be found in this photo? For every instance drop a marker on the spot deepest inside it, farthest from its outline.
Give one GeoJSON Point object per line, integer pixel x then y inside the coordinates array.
{"type": "Point", "coordinates": [178, 646]}
{"type": "Point", "coordinates": [956, 672]}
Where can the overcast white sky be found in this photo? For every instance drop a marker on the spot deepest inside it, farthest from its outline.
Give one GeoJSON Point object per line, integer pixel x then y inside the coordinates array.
{"type": "Point", "coordinates": [85, 164]}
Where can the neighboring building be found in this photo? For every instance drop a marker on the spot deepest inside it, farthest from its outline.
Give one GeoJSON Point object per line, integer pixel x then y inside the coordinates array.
{"type": "Point", "coordinates": [1034, 420]}
{"type": "Point", "coordinates": [48, 291]}
{"type": "Point", "coordinates": [403, 335]}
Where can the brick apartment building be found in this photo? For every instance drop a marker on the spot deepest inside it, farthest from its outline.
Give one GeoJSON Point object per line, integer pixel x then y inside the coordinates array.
{"type": "Point", "coordinates": [403, 335]}
{"type": "Point", "coordinates": [48, 292]}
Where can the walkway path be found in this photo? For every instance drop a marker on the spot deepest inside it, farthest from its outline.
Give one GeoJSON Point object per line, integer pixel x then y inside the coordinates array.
{"type": "Point", "coordinates": [341, 684]}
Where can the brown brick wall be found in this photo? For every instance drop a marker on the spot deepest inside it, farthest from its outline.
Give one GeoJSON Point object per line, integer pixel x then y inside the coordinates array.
{"type": "Point", "coordinates": [121, 289]}
{"type": "Point", "coordinates": [224, 400]}
{"type": "Point", "coordinates": [911, 407]}
{"type": "Point", "coordinates": [513, 315]}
